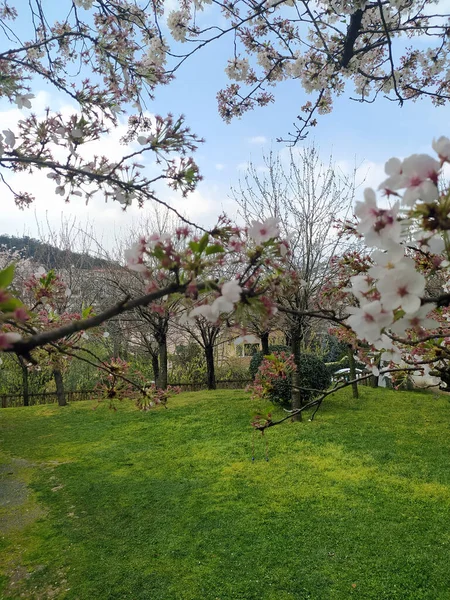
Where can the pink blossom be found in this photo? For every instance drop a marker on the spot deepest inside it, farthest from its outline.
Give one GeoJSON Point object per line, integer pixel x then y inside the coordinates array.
{"type": "Point", "coordinates": [21, 314]}
{"type": "Point", "coordinates": [8, 339]}
{"type": "Point", "coordinates": [159, 238]}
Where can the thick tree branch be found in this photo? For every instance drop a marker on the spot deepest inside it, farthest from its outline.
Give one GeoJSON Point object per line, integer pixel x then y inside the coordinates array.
{"type": "Point", "coordinates": [25, 346]}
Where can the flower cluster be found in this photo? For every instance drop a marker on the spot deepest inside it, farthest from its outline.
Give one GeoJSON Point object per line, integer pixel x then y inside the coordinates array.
{"type": "Point", "coordinates": [408, 244]}
{"type": "Point", "coordinates": [255, 254]}
{"type": "Point", "coordinates": [154, 396]}
{"type": "Point", "coordinates": [272, 380]}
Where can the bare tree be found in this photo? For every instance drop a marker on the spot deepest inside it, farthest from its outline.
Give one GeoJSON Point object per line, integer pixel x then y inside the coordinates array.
{"type": "Point", "coordinates": [306, 196]}
{"type": "Point", "coordinates": [206, 334]}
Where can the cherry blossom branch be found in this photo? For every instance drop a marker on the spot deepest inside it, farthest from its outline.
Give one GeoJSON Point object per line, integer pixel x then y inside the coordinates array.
{"type": "Point", "coordinates": [108, 178]}
{"type": "Point", "coordinates": [25, 346]}
{"type": "Point", "coordinates": [98, 365]}
{"type": "Point", "coordinates": [391, 58]}
{"type": "Point", "coordinates": [318, 401]}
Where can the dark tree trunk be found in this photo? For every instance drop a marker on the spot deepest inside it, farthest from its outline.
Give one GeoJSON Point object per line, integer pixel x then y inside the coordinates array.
{"type": "Point", "coordinates": [352, 366]}
{"type": "Point", "coordinates": [210, 369]}
{"type": "Point", "coordinates": [155, 366]}
{"type": "Point", "coordinates": [161, 382]}
{"type": "Point", "coordinates": [296, 396]}
{"type": "Point", "coordinates": [60, 393]}
{"type": "Point", "coordinates": [25, 386]}
{"type": "Point", "coordinates": [265, 343]}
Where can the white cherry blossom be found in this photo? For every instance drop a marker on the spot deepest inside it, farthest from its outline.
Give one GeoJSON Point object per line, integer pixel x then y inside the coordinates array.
{"type": "Point", "coordinates": [391, 352]}
{"type": "Point", "coordinates": [231, 290]}
{"type": "Point", "coordinates": [360, 286]}
{"type": "Point", "coordinates": [204, 310]}
{"type": "Point", "coordinates": [177, 22]}
{"type": "Point", "coordinates": [368, 320]}
{"type": "Point", "coordinates": [265, 231]}
{"type": "Point", "coordinates": [238, 69]}
{"type": "Point", "coordinates": [442, 148]}
{"type": "Point", "coordinates": [221, 305]}
{"type": "Point", "coordinates": [134, 256]}
{"type": "Point", "coordinates": [418, 174]}
{"type": "Point", "coordinates": [416, 321]}
{"type": "Point", "coordinates": [23, 100]}
{"type": "Point", "coordinates": [388, 262]}
{"type": "Point", "coordinates": [10, 138]}
{"type": "Point", "coordinates": [379, 226]}
{"type": "Point", "coordinates": [429, 242]}
{"type": "Point", "coordinates": [402, 288]}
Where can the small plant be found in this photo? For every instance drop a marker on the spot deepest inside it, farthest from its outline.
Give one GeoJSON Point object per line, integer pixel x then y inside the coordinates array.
{"type": "Point", "coordinates": [114, 383]}
{"type": "Point", "coordinates": [155, 396]}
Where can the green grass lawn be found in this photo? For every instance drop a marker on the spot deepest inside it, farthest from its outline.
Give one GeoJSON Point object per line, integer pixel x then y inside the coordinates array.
{"type": "Point", "coordinates": [168, 505]}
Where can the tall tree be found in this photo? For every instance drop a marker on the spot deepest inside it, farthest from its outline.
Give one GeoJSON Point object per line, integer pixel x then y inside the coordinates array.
{"type": "Point", "coordinates": [306, 196]}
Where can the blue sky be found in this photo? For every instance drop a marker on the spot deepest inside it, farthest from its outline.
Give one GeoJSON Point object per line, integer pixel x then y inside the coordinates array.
{"type": "Point", "coordinates": [354, 133]}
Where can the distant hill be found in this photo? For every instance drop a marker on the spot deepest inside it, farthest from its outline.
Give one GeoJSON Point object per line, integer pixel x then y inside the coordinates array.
{"type": "Point", "coordinates": [49, 256]}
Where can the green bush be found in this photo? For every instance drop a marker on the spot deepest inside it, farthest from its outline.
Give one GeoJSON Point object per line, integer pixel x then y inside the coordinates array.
{"type": "Point", "coordinates": [232, 370]}
{"type": "Point", "coordinates": [314, 375]}
{"type": "Point", "coordinates": [257, 358]}
{"type": "Point", "coordinates": [334, 349]}
{"type": "Point", "coordinates": [188, 364]}
{"type": "Point", "coordinates": [282, 389]}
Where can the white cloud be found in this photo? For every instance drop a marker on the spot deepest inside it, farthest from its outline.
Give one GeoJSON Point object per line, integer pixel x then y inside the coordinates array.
{"type": "Point", "coordinates": [220, 166]}
{"type": "Point", "coordinates": [258, 140]}
{"type": "Point", "coordinates": [105, 219]}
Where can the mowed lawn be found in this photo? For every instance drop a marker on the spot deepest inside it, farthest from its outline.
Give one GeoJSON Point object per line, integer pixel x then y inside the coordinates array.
{"type": "Point", "coordinates": [168, 505]}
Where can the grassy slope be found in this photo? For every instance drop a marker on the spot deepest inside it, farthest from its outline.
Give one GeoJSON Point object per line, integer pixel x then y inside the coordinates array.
{"type": "Point", "coordinates": [168, 505]}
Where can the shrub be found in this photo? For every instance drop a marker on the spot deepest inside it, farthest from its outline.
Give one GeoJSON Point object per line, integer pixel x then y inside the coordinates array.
{"type": "Point", "coordinates": [334, 349]}
{"type": "Point", "coordinates": [188, 364]}
{"type": "Point", "coordinates": [313, 375]}
{"type": "Point", "coordinates": [232, 370]}
{"type": "Point", "coordinates": [273, 379]}
{"type": "Point", "coordinates": [257, 358]}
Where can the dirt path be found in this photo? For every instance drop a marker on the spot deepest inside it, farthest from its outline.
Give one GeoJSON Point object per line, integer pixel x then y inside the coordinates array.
{"type": "Point", "coordinates": [18, 510]}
